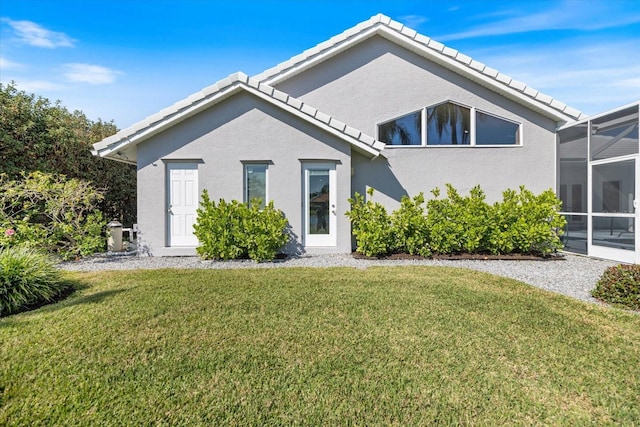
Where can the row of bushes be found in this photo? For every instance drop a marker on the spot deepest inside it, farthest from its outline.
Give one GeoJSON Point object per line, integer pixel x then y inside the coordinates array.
{"type": "Point", "coordinates": [522, 223]}
{"type": "Point", "coordinates": [238, 230]}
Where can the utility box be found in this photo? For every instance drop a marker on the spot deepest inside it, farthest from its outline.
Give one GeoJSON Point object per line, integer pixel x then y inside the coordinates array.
{"type": "Point", "coordinates": [114, 241]}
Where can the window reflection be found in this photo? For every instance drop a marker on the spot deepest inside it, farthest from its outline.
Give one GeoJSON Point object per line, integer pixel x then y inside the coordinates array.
{"type": "Point", "coordinates": [448, 124]}
{"type": "Point", "coordinates": [491, 130]}
{"type": "Point", "coordinates": [406, 130]}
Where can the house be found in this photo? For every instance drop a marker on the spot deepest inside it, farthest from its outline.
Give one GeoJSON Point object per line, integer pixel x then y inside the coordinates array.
{"type": "Point", "coordinates": [377, 106]}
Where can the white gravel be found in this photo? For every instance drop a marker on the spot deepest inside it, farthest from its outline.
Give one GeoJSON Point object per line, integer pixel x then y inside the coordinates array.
{"type": "Point", "coordinates": [575, 276]}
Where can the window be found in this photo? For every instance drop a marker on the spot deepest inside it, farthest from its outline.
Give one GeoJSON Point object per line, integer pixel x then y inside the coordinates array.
{"type": "Point", "coordinates": [449, 124]}
{"type": "Point", "coordinates": [492, 130]}
{"type": "Point", "coordinates": [255, 182]}
{"type": "Point", "coordinates": [405, 130]}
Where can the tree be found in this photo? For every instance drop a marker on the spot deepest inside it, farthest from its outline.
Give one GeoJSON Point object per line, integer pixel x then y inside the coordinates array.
{"type": "Point", "coordinates": [36, 135]}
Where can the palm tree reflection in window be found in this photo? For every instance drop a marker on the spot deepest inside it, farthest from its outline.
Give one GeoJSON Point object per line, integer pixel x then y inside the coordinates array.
{"type": "Point", "coordinates": [448, 124]}
{"type": "Point", "coordinates": [405, 130]}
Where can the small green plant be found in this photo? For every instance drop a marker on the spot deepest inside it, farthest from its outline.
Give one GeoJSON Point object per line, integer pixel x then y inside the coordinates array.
{"type": "Point", "coordinates": [263, 231]}
{"type": "Point", "coordinates": [620, 284]}
{"type": "Point", "coordinates": [232, 230]}
{"type": "Point", "coordinates": [409, 227]}
{"type": "Point", "coordinates": [459, 224]}
{"type": "Point", "coordinates": [371, 225]}
{"type": "Point", "coordinates": [27, 277]}
{"type": "Point", "coordinates": [527, 223]}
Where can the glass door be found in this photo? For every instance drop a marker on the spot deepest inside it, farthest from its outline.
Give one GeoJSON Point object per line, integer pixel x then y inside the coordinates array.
{"type": "Point", "coordinates": [319, 204]}
{"type": "Point", "coordinates": [613, 205]}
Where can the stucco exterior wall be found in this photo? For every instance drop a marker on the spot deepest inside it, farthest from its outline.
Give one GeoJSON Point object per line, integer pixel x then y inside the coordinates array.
{"type": "Point", "coordinates": [240, 129]}
{"type": "Point", "coordinates": [377, 80]}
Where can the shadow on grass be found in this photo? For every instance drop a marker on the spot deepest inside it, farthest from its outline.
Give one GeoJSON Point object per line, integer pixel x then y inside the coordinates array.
{"type": "Point", "coordinates": [63, 298]}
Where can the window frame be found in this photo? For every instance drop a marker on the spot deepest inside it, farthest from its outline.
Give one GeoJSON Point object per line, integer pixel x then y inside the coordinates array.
{"type": "Point", "coordinates": [245, 179]}
{"type": "Point", "coordinates": [421, 111]}
{"type": "Point", "coordinates": [424, 143]}
{"type": "Point", "coordinates": [486, 113]}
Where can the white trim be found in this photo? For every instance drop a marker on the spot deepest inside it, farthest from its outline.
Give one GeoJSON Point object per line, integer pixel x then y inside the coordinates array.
{"type": "Point", "coordinates": [245, 190]}
{"type": "Point", "coordinates": [217, 93]}
{"type": "Point", "coordinates": [430, 49]}
{"type": "Point", "coordinates": [585, 120]}
{"type": "Point", "coordinates": [186, 239]}
{"type": "Point", "coordinates": [320, 240]}
{"type": "Point", "coordinates": [473, 111]}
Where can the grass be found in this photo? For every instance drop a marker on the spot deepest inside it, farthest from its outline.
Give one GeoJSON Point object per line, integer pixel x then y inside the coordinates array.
{"type": "Point", "coordinates": [382, 346]}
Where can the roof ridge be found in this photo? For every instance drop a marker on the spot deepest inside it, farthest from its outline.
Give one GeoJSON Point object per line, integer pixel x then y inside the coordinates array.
{"type": "Point", "coordinates": [454, 57]}
{"type": "Point", "coordinates": [198, 100]}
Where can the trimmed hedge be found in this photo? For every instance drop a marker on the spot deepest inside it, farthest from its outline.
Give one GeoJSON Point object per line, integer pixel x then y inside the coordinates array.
{"type": "Point", "coordinates": [522, 223]}
{"type": "Point", "coordinates": [620, 284]}
{"type": "Point", "coordinates": [232, 230]}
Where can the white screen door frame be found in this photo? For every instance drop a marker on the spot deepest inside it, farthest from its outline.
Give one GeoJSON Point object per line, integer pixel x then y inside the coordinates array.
{"type": "Point", "coordinates": [319, 204]}
{"type": "Point", "coordinates": [182, 203]}
{"type": "Point", "coordinates": [628, 218]}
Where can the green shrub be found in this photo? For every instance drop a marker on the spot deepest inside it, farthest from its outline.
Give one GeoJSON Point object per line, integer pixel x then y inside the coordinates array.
{"type": "Point", "coordinates": [236, 230]}
{"type": "Point", "coordinates": [51, 213]}
{"type": "Point", "coordinates": [218, 229]}
{"type": "Point", "coordinates": [27, 277]}
{"type": "Point", "coordinates": [527, 223]}
{"type": "Point", "coordinates": [459, 224]}
{"type": "Point", "coordinates": [522, 222]}
{"type": "Point", "coordinates": [263, 231]}
{"type": "Point", "coordinates": [409, 227]}
{"type": "Point", "coordinates": [620, 285]}
{"type": "Point", "coordinates": [370, 225]}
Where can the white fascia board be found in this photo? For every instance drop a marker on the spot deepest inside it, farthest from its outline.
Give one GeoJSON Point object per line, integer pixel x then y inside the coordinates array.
{"type": "Point", "coordinates": [133, 137]}
{"type": "Point", "coordinates": [436, 52]}
{"type": "Point", "coordinates": [460, 68]}
{"type": "Point", "coordinates": [290, 67]}
{"type": "Point", "coordinates": [369, 149]}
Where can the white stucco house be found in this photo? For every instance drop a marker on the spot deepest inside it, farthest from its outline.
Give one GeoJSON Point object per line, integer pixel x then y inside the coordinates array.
{"type": "Point", "coordinates": [380, 106]}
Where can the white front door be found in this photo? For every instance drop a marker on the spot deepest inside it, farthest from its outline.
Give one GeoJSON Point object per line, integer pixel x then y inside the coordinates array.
{"type": "Point", "coordinates": [182, 187]}
{"type": "Point", "coordinates": [319, 204]}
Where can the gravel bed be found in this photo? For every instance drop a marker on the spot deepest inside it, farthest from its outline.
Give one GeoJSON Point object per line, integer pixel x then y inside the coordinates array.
{"type": "Point", "coordinates": [575, 276]}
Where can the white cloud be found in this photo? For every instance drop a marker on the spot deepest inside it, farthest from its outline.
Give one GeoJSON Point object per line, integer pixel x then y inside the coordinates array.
{"type": "Point", "coordinates": [37, 86]}
{"type": "Point", "coordinates": [32, 34]}
{"type": "Point", "coordinates": [87, 73]}
{"type": "Point", "coordinates": [6, 64]}
{"type": "Point", "coordinates": [590, 76]}
{"type": "Point", "coordinates": [412, 21]}
{"type": "Point", "coordinates": [568, 15]}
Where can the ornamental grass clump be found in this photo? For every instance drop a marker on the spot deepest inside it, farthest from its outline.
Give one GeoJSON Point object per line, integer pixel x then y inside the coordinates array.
{"type": "Point", "coordinates": [620, 284]}
{"type": "Point", "coordinates": [27, 278]}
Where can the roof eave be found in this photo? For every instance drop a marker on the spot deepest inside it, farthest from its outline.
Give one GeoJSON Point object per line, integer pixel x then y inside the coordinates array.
{"type": "Point", "coordinates": [430, 49]}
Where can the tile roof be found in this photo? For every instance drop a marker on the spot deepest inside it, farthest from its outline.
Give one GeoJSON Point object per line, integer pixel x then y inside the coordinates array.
{"type": "Point", "coordinates": [431, 49]}
{"type": "Point", "coordinates": [120, 146]}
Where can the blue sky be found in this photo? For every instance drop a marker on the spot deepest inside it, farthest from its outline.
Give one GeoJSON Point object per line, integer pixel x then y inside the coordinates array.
{"type": "Point", "coordinates": [123, 60]}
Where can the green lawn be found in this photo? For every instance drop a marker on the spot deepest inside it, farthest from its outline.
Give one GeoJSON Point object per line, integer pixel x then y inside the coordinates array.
{"type": "Point", "coordinates": [382, 346]}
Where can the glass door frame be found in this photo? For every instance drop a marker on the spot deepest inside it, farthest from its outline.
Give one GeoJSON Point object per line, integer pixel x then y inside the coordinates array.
{"type": "Point", "coordinates": [319, 240]}
{"type": "Point", "coordinates": [622, 255]}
